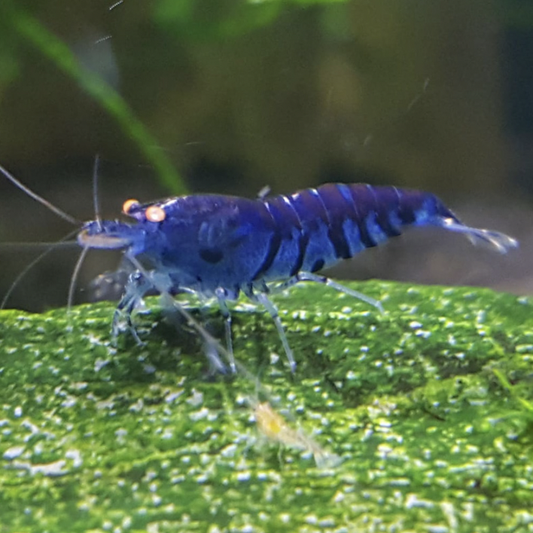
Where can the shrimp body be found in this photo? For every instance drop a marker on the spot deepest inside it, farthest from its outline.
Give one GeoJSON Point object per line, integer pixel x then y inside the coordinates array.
{"type": "Point", "coordinates": [207, 242]}
{"type": "Point", "coordinates": [274, 427]}
{"type": "Point", "coordinates": [217, 245]}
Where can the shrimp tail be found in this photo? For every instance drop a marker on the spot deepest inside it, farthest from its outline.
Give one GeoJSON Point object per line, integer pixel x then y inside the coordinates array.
{"type": "Point", "coordinates": [326, 460]}
{"type": "Point", "coordinates": [499, 241]}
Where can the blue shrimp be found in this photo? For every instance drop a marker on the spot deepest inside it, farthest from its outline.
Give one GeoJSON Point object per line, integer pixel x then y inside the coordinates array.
{"type": "Point", "coordinates": [217, 246]}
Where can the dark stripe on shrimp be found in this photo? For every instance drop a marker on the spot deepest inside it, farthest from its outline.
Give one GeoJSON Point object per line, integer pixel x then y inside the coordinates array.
{"type": "Point", "coordinates": [338, 209]}
{"type": "Point", "coordinates": [389, 219]}
{"type": "Point", "coordinates": [284, 214]}
{"type": "Point", "coordinates": [303, 240]}
{"type": "Point", "coordinates": [318, 265]}
{"type": "Point", "coordinates": [387, 204]}
{"type": "Point", "coordinates": [273, 246]}
{"type": "Point", "coordinates": [362, 204]}
{"type": "Point", "coordinates": [310, 209]}
{"type": "Point", "coordinates": [409, 205]}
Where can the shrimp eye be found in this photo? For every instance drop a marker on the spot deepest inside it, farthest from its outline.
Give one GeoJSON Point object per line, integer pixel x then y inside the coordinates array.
{"type": "Point", "coordinates": [128, 205]}
{"type": "Point", "coordinates": [154, 213]}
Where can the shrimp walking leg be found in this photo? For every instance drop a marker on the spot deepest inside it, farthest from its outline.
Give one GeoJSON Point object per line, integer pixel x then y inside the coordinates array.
{"type": "Point", "coordinates": [307, 276]}
{"type": "Point", "coordinates": [136, 288]}
{"type": "Point", "coordinates": [262, 298]}
{"type": "Point", "coordinates": [221, 297]}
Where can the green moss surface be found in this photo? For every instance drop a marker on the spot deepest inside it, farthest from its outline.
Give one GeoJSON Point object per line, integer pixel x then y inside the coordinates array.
{"type": "Point", "coordinates": [141, 438]}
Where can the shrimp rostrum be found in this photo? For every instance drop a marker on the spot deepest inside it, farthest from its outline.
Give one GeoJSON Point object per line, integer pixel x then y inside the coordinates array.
{"type": "Point", "coordinates": [217, 246]}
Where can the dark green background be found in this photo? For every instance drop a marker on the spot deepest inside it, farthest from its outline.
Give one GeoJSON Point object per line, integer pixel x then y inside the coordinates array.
{"type": "Point", "coordinates": [234, 95]}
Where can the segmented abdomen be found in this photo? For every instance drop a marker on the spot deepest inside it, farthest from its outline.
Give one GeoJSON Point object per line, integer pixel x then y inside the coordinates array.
{"type": "Point", "coordinates": [315, 228]}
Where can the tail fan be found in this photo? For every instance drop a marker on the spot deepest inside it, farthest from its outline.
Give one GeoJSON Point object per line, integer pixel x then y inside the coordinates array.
{"type": "Point", "coordinates": [501, 242]}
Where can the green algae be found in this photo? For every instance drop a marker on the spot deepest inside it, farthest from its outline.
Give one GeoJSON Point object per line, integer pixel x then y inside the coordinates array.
{"type": "Point", "coordinates": [425, 403]}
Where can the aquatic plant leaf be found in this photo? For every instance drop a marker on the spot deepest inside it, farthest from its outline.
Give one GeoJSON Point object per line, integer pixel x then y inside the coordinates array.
{"type": "Point", "coordinates": [32, 31]}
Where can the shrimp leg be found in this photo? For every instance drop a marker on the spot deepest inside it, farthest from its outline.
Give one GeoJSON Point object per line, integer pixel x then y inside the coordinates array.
{"type": "Point", "coordinates": [308, 276]}
{"type": "Point", "coordinates": [221, 295]}
{"type": "Point", "coordinates": [262, 298]}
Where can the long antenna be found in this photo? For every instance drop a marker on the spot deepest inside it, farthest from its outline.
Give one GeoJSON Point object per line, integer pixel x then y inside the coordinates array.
{"type": "Point", "coordinates": [96, 202]}
{"type": "Point", "coordinates": [27, 268]}
{"type": "Point", "coordinates": [40, 199]}
{"type": "Point", "coordinates": [74, 278]}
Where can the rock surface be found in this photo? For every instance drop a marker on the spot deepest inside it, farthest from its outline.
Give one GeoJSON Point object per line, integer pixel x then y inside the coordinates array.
{"type": "Point", "coordinates": [428, 405]}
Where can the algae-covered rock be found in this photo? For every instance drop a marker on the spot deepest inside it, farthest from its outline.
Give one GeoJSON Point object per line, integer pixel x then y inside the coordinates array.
{"type": "Point", "coordinates": [427, 404]}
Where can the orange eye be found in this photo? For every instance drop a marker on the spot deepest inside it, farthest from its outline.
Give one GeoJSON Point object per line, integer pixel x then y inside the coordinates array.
{"type": "Point", "coordinates": [128, 205]}
{"type": "Point", "coordinates": [155, 214]}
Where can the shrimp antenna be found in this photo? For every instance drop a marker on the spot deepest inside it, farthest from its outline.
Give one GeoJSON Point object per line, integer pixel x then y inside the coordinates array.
{"type": "Point", "coordinates": [24, 246]}
{"type": "Point", "coordinates": [96, 203]}
{"type": "Point", "coordinates": [74, 278]}
{"type": "Point", "coordinates": [40, 199]}
{"type": "Point", "coordinates": [53, 246]}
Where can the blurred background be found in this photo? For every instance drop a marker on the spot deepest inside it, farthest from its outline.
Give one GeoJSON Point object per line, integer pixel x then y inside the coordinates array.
{"type": "Point", "coordinates": [228, 96]}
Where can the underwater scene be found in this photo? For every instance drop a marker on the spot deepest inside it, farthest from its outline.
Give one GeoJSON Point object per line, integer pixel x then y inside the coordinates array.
{"type": "Point", "coordinates": [266, 266]}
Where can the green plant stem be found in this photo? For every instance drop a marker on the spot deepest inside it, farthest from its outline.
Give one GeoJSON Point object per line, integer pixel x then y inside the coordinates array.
{"type": "Point", "coordinates": [60, 54]}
